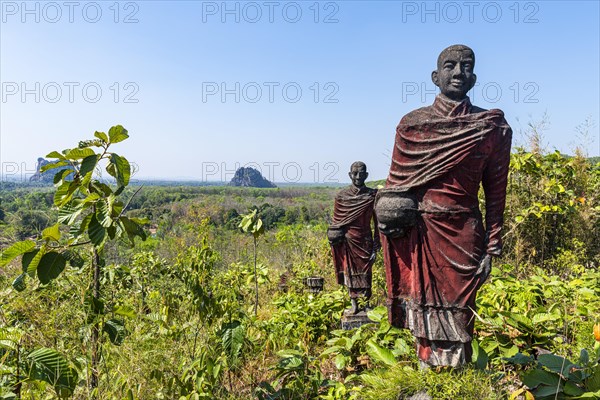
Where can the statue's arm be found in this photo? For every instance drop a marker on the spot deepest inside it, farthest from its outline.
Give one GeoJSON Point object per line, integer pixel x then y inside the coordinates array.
{"type": "Point", "coordinates": [495, 177]}
{"type": "Point", "coordinates": [376, 239]}
{"type": "Point", "coordinates": [335, 233]}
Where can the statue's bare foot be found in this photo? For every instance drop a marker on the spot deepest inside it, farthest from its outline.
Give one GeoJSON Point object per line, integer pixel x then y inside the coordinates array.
{"type": "Point", "coordinates": [354, 307]}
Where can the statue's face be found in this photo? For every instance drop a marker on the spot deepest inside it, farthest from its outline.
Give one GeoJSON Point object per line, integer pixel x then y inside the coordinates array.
{"type": "Point", "coordinates": [358, 175]}
{"type": "Point", "coordinates": [454, 75]}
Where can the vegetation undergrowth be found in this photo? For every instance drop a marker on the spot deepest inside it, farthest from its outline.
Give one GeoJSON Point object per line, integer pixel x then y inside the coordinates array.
{"type": "Point", "coordinates": [201, 309]}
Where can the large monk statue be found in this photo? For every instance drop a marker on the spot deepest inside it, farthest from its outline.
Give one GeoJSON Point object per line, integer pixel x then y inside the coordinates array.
{"type": "Point", "coordinates": [437, 251]}
{"type": "Point", "coordinates": [352, 241]}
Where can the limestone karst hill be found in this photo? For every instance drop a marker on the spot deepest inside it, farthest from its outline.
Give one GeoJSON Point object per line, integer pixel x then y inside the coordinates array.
{"type": "Point", "coordinates": [250, 177]}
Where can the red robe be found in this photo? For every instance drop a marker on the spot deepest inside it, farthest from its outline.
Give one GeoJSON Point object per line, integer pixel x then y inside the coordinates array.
{"type": "Point", "coordinates": [442, 154]}
{"type": "Point", "coordinates": [353, 212]}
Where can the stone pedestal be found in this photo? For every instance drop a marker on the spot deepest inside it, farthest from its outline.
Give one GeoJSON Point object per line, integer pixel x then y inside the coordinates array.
{"type": "Point", "coordinates": [420, 396]}
{"type": "Point", "coordinates": [314, 284]}
{"type": "Point", "coordinates": [351, 321]}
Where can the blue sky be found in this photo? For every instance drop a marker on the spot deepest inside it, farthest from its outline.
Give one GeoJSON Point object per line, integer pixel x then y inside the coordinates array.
{"type": "Point", "coordinates": [298, 89]}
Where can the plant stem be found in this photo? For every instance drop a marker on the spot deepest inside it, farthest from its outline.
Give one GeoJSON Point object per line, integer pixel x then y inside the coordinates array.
{"type": "Point", "coordinates": [255, 281]}
{"type": "Point", "coordinates": [19, 383]}
{"type": "Point", "coordinates": [129, 201]}
{"type": "Point", "coordinates": [96, 326]}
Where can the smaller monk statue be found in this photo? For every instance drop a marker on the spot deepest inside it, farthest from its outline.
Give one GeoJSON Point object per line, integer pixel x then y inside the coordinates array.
{"type": "Point", "coordinates": [352, 241]}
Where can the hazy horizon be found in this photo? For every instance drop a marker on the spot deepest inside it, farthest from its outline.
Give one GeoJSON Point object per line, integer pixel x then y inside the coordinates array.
{"type": "Point", "coordinates": [298, 89]}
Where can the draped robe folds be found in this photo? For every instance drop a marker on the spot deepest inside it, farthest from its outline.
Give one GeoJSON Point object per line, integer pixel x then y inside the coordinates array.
{"type": "Point", "coordinates": [442, 154]}
{"type": "Point", "coordinates": [353, 212]}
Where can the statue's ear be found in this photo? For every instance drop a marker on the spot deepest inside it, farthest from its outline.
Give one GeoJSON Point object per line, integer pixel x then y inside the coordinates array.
{"type": "Point", "coordinates": [366, 174]}
{"type": "Point", "coordinates": [350, 175]}
{"type": "Point", "coordinates": [473, 80]}
{"type": "Point", "coordinates": [434, 78]}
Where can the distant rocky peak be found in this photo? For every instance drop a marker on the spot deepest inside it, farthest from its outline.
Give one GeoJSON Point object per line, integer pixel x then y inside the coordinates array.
{"type": "Point", "coordinates": [250, 177]}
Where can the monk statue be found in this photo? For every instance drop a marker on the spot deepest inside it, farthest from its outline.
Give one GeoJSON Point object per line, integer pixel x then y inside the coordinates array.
{"type": "Point", "coordinates": [437, 251]}
{"type": "Point", "coordinates": [352, 241]}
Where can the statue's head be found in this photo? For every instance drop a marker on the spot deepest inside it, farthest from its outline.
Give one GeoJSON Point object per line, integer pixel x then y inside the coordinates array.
{"type": "Point", "coordinates": [358, 173]}
{"type": "Point", "coordinates": [454, 74]}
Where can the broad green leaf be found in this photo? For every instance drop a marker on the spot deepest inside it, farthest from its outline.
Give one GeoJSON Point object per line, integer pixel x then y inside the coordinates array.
{"type": "Point", "coordinates": [61, 192]}
{"type": "Point", "coordinates": [247, 221]}
{"type": "Point", "coordinates": [232, 335]}
{"type": "Point", "coordinates": [52, 367]}
{"type": "Point", "coordinates": [592, 383]}
{"type": "Point", "coordinates": [101, 188]}
{"type": "Point", "coordinates": [115, 330]}
{"type": "Point", "coordinates": [380, 354]}
{"type": "Point", "coordinates": [520, 359]}
{"type": "Point", "coordinates": [258, 228]}
{"type": "Point", "coordinates": [377, 314]}
{"type": "Point", "coordinates": [590, 395]}
{"type": "Point", "coordinates": [124, 311]}
{"type": "Point", "coordinates": [584, 357]}
{"type": "Point", "coordinates": [521, 392]}
{"type": "Point", "coordinates": [132, 229]}
{"type": "Point", "coordinates": [140, 221]}
{"type": "Point", "coordinates": [51, 233]}
{"type": "Point", "coordinates": [555, 363]}
{"type": "Point", "coordinates": [68, 213]}
{"type": "Point", "coordinates": [27, 258]}
{"type": "Point", "coordinates": [19, 283]}
{"type": "Point", "coordinates": [480, 357]}
{"type": "Point", "coordinates": [102, 136]}
{"type": "Point", "coordinates": [518, 320]}
{"type": "Point", "coordinates": [535, 377]}
{"type": "Point", "coordinates": [572, 389]}
{"type": "Point", "coordinates": [56, 154]}
{"type": "Point", "coordinates": [88, 164]}
{"type": "Point", "coordinates": [576, 375]}
{"type": "Point", "coordinates": [78, 229]}
{"type": "Point", "coordinates": [290, 363]}
{"type": "Point", "coordinates": [64, 193]}
{"type": "Point", "coordinates": [401, 347]}
{"type": "Point", "coordinates": [508, 350]}
{"type": "Point", "coordinates": [289, 353]}
{"type": "Point", "coordinates": [245, 224]}
{"type": "Point", "coordinates": [252, 224]}
{"type": "Point", "coordinates": [9, 338]}
{"type": "Point", "coordinates": [104, 211]}
{"type": "Point", "coordinates": [75, 260]}
{"type": "Point", "coordinates": [50, 266]}
{"type": "Point", "coordinates": [122, 169]}
{"type": "Point", "coordinates": [96, 232]}
{"type": "Point", "coordinates": [111, 169]}
{"type": "Point", "coordinates": [78, 154]}
{"type": "Point", "coordinates": [55, 164]}
{"type": "Point", "coordinates": [61, 175]}
{"type": "Point", "coordinates": [118, 208]}
{"type": "Point", "coordinates": [91, 198]}
{"type": "Point", "coordinates": [117, 134]}
{"type": "Point", "coordinates": [340, 361]}
{"type": "Point", "coordinates": [333, 349]}
{"type": "Point", "coordinates": [16, 250]}
{"type": "Point", "coordinates": [544, 391]}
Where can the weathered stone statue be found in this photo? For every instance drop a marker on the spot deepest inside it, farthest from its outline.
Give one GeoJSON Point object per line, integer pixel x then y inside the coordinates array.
{"type": "Point", "coordinates": [352, 241]}
{"type": "Point", "coordinates": [437, 252]}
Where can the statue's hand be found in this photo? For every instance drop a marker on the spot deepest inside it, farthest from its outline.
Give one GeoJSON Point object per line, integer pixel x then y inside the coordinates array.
{"type": "Point", "coordinates": [373, 256]}
{"type": "Point", "coordinates": [485, 267]}
{"type": "Point", "coordinates": [336, 236]}
{"type": "Point", "coordinates": [391, 232]}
